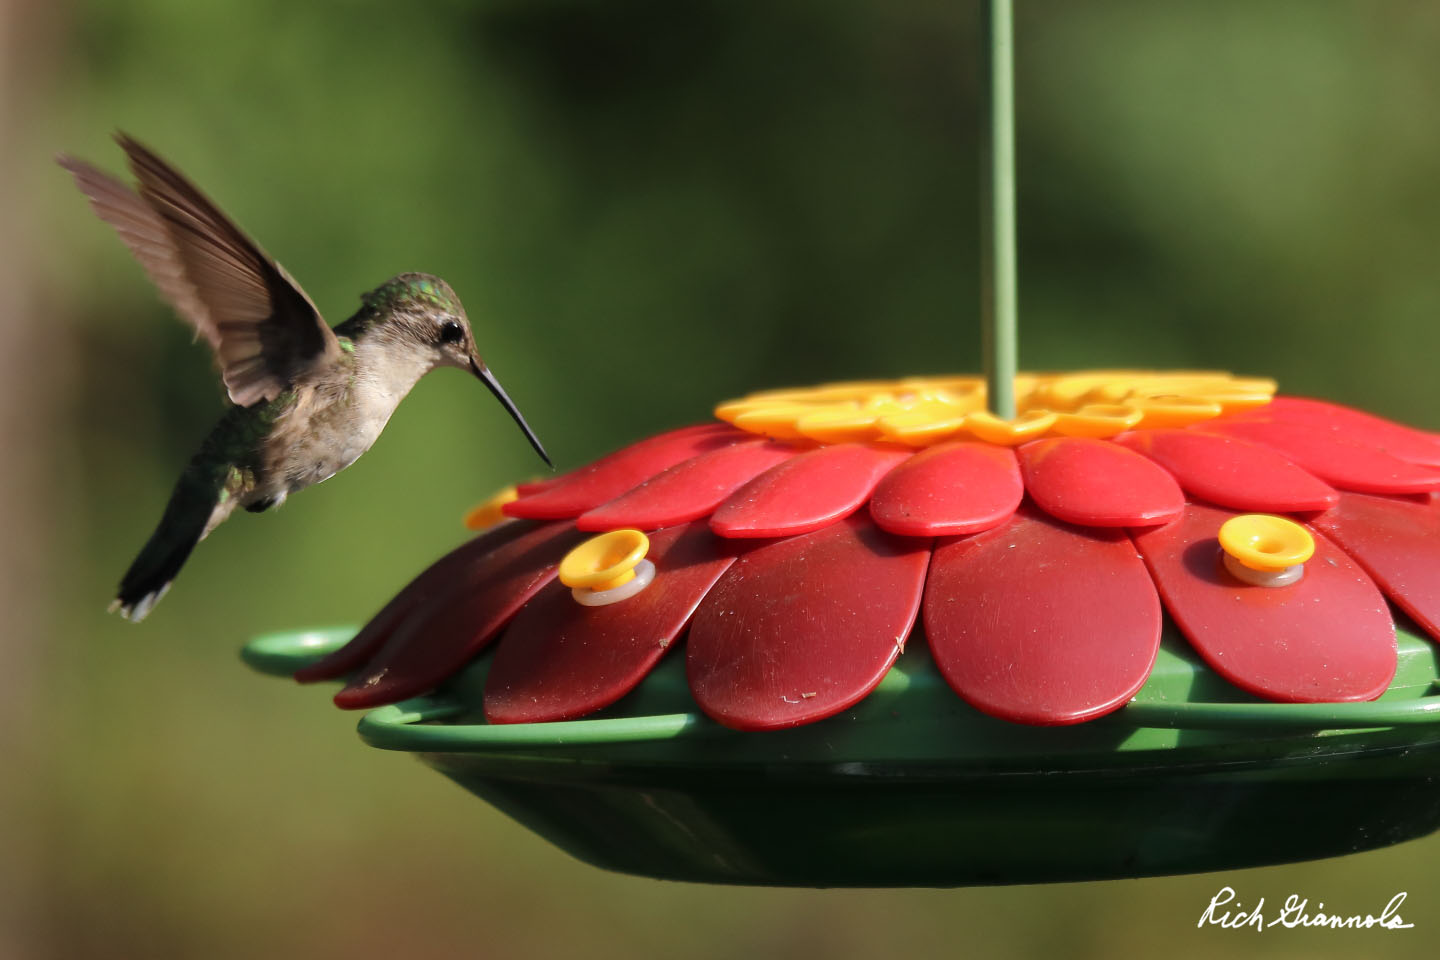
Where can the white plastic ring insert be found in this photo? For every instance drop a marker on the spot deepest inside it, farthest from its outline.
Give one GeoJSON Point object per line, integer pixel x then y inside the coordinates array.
{"type": "Point", "coordinates": [644, 573]}
{"type": "Point", "coordinates": [1263, 578]}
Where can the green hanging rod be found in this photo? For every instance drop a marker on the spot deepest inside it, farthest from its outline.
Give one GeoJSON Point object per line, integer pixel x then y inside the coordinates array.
{"type": "Point", "coordinates": [997, 207]}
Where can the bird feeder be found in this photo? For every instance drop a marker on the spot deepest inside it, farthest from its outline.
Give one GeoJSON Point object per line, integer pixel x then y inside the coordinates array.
{"type": "Point", "coordinates": [940, 631]}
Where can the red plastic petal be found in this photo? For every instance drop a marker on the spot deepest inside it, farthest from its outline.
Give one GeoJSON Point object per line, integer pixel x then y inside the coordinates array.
{"type": "Point", "coordinates": [440, 636]}
{"type": "Point", "coordinates": [1398, 542]}
{"type": "Point", "coordinates": [1326, 638]}
{"type": "Point", "coordinates": [441, 580]}
{"type": "Point", "coordinates": [949, 489]}
{"type": "Point", "coordinates": [1363, 468]}
{"type": "Point", "coordinates": [806, 492]}
{"type": "Point", "coordinates": [559, 660]}
{"type": "Point", "coordinates": [1232, 472]}
{"type": "Point", "coordinates": [689, 490]}
{"type": "Point", "coordinates": [1096, 483]}
{"type": "Point", "coordinates": [1040, 622]}
{"type": "Point", "coordinates": [535, 486]}
{"type": "Point", "coordinates": [610, 476]}
{"type": "Point", "coordinates": [1354, 426]}
{"type": "Point", "coordinates": [798, 630]}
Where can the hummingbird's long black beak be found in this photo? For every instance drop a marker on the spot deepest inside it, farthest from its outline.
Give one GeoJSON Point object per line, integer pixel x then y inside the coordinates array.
{"type": "Point", "coordinates": [488, 378]}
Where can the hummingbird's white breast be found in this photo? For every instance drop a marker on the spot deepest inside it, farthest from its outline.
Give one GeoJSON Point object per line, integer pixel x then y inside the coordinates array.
{"type": "Point", "coordinates": [335, 419]}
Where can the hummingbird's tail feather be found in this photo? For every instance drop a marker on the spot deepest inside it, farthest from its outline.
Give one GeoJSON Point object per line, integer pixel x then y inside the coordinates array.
{"type": "Point", "coordinates": [198, 503]}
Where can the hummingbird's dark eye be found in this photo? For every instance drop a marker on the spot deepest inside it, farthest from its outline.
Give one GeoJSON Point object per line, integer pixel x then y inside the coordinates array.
{"type": "Point", "coordinates": [451, 332]}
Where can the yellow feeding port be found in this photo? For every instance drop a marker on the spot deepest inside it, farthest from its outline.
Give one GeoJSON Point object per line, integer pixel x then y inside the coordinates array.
{"type": "Point", "coordinates": [1262, 542]}
{"type": "Point", "coordinates": [485, 515]}
{"type": "Point", "coordinates": [604, 562]}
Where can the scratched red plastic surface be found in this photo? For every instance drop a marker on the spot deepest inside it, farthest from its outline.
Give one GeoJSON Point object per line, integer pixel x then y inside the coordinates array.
{"type": "Point", "coordinates": [1398, 542]}
{"type": "Point", "coordinates": [1328, 637]}
{"type": "Point", "coordinates": [949, 489]}
{"type": "Point", "coordinates": [800, 629]}
{"type": "Point", "coordinates": [440, 635]}
{"type": "Point", "coordinates": [689, 490]}
{"type": "Point", "coordinates": [1232, 472]}
{"type": "Point", "coordinates": [559, 660]}
{"type": "Point", "coordinates": [1357, 466]}
{"type": "Point", "coordinates": [439, 581]}
{"type": "Point", "coordinates": [806, 492]}
{"type": "Point", "coordinates": [607, 478]}
{"type": "Point", "coordinates": [1097, 483]}
{"type": "Point", "coordinates": [1354, 426]}
{"type": "Point", "coordinates": [1041, 622]}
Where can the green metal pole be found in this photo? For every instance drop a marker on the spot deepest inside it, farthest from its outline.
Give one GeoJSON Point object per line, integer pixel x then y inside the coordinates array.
{"type": "Point", "coordinates": [997, 206]}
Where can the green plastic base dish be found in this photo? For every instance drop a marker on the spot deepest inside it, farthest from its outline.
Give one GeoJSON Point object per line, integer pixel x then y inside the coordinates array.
{"type": "Point", "coordinates": [912, 787]}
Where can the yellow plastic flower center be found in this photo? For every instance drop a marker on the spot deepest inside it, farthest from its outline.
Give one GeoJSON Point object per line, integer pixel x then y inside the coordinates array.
{"type": "Point", "coordinates": [920, 411]}
{"type": "Point", "coordinates": [1263, 542]}
{"type": "Point", "coordinates": [488, 513]}
{"type": "Point", "coordinates": [604, 562]}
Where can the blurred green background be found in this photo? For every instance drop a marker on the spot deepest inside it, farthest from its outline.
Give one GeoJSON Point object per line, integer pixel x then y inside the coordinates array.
{"type": "Point", "coordinates": [647, 206]}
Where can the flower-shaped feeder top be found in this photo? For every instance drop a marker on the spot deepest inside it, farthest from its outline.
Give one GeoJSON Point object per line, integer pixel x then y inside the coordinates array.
{"type": "Point", "coordinates": [800, 541]}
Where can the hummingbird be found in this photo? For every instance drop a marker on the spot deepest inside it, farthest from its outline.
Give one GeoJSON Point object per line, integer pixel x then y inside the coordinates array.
{"type": "Point", "coordinates": [307, 399]}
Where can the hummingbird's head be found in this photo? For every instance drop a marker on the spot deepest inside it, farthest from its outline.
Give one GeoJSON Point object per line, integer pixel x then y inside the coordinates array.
{"type": "Point", "coordinates": [421, 314]}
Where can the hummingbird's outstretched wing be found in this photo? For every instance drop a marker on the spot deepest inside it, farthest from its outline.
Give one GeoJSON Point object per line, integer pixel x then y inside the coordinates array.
{"type": "Point", "coordinates": [144, 232]}
{"type": "Point", "coordinates": [263, 328]}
